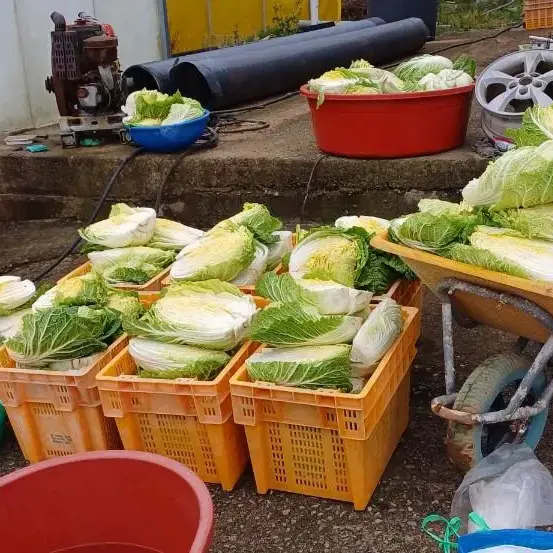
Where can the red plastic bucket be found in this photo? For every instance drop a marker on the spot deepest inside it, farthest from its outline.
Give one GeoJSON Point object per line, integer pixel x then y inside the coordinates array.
{"type": "Point", "coordinates": [105, 502]}
{"type": "Point", "coordinates": [391, 125]}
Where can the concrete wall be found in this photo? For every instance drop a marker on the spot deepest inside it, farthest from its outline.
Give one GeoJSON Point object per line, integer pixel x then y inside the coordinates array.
{"type": "Point", "coordinates": [25, 27]}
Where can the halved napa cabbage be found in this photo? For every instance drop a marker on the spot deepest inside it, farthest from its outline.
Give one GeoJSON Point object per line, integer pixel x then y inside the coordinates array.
{"type": "Point", "coordinates": [221, 253]}
{"type": "Point", "coordinates": [11, 324]}
{"type": "Point", "coordinates": [330, 254]}
{"type": "Point", "coordinates": [534, 257]}
{"type": "Point", "coordinates": [251, 274]}
{"type": "Point", "coordinates": [257, 219]}
{"type": "Point", "coordinates": [134, 265]}
{"type": "Point", "coordinates": [278, 249]}
{"type": "Point", "coordinates": [170, 361]}
{"type": "Point", "coordinates": [370, 224]}
{"type": "Point", "coordinates": [14, 292]}
{"type": "Point", "coordinates": [127, 303]}
{"type": "Point", "coordinates": [309, 367]}
{"type": "Point", "coordinates": [87, 289]}
{"type": "Point", "coordinates": [288, 324]}
{"type": "Point", "coordinates": [170, 235]}
{"type": "Point", "coordinates": [126, 226]}
{"type": "Point", "coordinates": [375, 337]}
{"type": "Point", "coordinates": [531, 222]}
{"type": "Point", "coordinates": [330, 298]}
{"type": "Point", "coordinates": [484, 258]}
{"type": "Point", "coordinates": [210, 314]}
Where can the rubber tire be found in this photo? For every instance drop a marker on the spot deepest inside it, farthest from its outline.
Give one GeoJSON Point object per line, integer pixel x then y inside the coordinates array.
{"type": "Point", "coordinates": [464, 443]}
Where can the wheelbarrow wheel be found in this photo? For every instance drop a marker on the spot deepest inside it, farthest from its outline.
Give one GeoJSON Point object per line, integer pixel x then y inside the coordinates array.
{"type": "Point", "coordinates": [488, 389]}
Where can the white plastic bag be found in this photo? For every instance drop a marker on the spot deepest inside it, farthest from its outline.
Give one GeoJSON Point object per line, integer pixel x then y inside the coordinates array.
{"type": "Point", "coordinates": [509, 489]}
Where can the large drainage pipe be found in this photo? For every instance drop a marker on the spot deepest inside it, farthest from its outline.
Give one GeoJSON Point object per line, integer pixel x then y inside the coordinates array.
{"type": "Point", "coordinates": [155, 75]}
{"type": "Point", "coordinates": [221, 82]}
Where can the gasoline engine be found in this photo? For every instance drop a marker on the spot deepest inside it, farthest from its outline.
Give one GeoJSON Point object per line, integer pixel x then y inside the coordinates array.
{"type": "Point", "coordinates": [86, 79]}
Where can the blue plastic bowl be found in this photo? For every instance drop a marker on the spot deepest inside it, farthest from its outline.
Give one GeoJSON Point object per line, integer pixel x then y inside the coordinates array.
{"type": "Point", "coordinates": [170, 138]}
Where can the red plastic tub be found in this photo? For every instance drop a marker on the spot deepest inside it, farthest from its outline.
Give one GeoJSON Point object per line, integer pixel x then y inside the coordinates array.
{"type": "Point", "coordinates": [391, 125]}
{"type": "Point", "coordinates": [105, 502]}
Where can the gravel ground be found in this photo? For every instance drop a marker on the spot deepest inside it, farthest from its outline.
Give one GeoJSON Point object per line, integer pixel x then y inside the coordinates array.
{"type": "Point", "coordinates": [419, 479]}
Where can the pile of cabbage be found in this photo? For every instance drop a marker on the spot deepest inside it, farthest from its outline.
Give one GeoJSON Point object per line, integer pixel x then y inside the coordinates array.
{"type": "Point", "coordinates": [191, 331]}
{"type": "Point", "coordinates": [504, 223]}
{"type": "Point", "coordinates": [419, 74]}
{"type": "Point", "coordinates": [151, 108]}
{"type": "Point", "coordinates": [70, 326]}
{"type": "Point", "coordinates": [237, 250]}
{"type": "Point", "coordinates": [320, 334]}
{"type": "Point", "coordinates": [133, 245]}
{"type": "Point", "coordinates": [16, 298]}
{"type": "Point", "coordinates": [319, 324]}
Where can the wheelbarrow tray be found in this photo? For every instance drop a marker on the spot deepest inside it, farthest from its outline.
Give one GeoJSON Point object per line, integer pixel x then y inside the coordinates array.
{"type": "Point", "coordinates": [433, 269]}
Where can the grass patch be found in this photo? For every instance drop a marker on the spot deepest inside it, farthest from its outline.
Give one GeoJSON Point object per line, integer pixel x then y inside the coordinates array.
{"type": "Point", "coordinates": [467, 15]}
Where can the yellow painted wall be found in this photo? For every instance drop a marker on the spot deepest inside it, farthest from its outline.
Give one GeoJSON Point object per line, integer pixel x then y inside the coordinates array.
{"type": "Point", "coordinates": [196, 24]}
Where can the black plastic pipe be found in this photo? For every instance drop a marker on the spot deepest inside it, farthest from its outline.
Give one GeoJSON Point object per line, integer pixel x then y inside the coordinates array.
{"type": "Point", "coordinates": [155, 74]}
{"type": "Point", "coordinates": [222, 82]}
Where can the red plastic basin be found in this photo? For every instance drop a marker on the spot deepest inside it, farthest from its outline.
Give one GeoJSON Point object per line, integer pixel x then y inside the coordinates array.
{"type": "Point", "coordinates": [105, 502]}
{"type": "Point", "coordinates": [391, 125]}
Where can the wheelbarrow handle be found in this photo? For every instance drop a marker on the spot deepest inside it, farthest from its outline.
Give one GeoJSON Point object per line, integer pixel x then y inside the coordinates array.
{"type": "Point", "coordinates": [439, 408]}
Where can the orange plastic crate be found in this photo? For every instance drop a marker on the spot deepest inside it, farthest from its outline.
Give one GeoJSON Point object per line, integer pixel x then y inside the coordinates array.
{"type": "Point", "coordinates": [153, 285]}
{"type": "Point", "coordinates": [538, 14]}
{"type": "Point", "coordinates": [57, 413]}
{"type": "Point", "coordinates": [184, 419]}
{"type": "Point", "coordinates": [324, 443]}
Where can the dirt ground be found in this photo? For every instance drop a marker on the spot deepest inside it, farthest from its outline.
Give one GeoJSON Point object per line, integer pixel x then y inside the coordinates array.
{"type": "Point", "coordinates": [419, 479]}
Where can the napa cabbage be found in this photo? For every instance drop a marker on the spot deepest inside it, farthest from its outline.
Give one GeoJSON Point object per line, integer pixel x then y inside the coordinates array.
{"type": "Point", "coordinates": [257, 219]}
{"type": "Point", "coordinates": [62, 333]}
{"type": "Point", "coordinates": [426, 231]}
{"type": "Point", "coordinates": [279, 249]}
{"type": "Point", "coordinates": [87, 289]}
{"type": "Point", "coordinates": [536, 128]}
{"type": "Point", "coordinates": [416, 68]}
{"type": "Point", "coordinates": [136, 265]}
{"type": "Point", "coordinates": [250, 275]}
{"type": "Point", "coordinates": [170, 361]}
{"type": "Point", "coordinates": [385, 81]}
{"type": "Point", "coordinates": [152, 108]}
{"type": "Point", "coordinates": [522, 177]}
{"type": "Point", "coordinates": [329, 298]}
{"type": "Point", "coordinates": [480, 257]}
{"type": "Point", "coordinates": [381, 329]}
{"type": "Point", "coordinates": [331, 254]}
{"type": "Point", "coordinates": [188, 110]}
{"type": "Point", "coordinates": [288, 324]}
{"type": "Point", "coordinates": [170, 235]}
{"type": "Point", "coordinates": [126, 303]}
{"type": "Point", "coordinates": [441, 207]}
{"type": "Point", "coordinates": [446, 78]}
{"type": "Point", "coordinates": [124, 227]}
{"type": "Point", "coordinates": [373, 225]}
{"type": "Point", "coordinates": [332, 82]}
{"type": "Point", "coordinates": [210, 314]}
{"type": "Point", "coordinates": [14, 293]}
{"type": "Point", "coordinates": [531, 222]}
{"type": "Point", "coordinates": [310, 367]}
{"type": "Point", "coordinates": [222, 253]}
{"type": "Point", "coordinates": [534, 257]}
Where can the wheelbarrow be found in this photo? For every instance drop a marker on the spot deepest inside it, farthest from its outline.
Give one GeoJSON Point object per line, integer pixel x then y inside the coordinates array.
{"type": "Point", "coordinates": [506, 398]}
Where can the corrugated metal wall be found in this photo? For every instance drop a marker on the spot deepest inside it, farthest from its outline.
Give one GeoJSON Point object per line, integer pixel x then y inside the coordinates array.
{"type": "Point", "coordinates": [25, 27]}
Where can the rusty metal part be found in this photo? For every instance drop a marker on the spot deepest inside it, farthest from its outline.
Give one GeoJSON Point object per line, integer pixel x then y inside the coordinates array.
{"type": "Point", "coordinates": [441, 405]}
